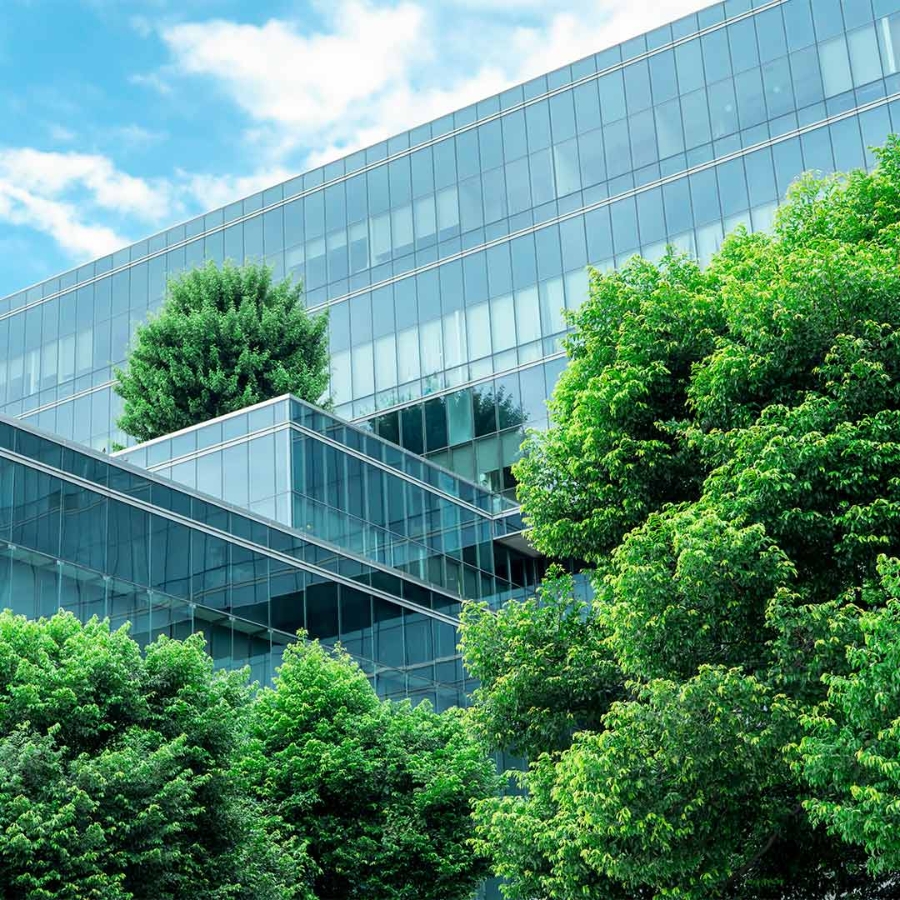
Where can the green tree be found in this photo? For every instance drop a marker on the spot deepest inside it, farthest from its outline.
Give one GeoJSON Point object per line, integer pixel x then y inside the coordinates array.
{"type": "Point", "coordinates": [850, 753]}
{"type": "Point", "coordinates": [225, 338]}
{"type": "Point", "coordinates": [724, 451]}
{"type": "Point", "coordinates": [378, 794]}
{"type": "Point", "coordinates": [116, 771]}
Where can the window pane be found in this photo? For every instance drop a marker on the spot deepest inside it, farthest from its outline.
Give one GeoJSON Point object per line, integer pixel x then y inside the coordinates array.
{"type": "Point", "coordinates": [864, 60]}
{"type": "Point", "coordinates": [835, 66]}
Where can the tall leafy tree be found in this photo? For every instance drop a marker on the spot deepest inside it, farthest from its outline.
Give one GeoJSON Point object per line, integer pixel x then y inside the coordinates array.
{"type": "Point", "coordinates": [725, 453]}
{"type": "Point", "coordinates": [116, 771]}
{"type": "Point", "coordinates": [225, 338]}
{"type": "Point", "coordinates": [378, 794]}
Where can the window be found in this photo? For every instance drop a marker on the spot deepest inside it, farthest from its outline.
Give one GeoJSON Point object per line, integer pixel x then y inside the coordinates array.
{"type": "Point", "coordinates": [807, 77]}
{"type": "Point", "coordinates": [528, 319]}
{"type": "Point", "coordinates": [889, 38]}
{"type": "Point", "coordinates": [593, 165]}
{"type": "Point", "coordinates": [650, 215]}
{"type": "Point", "coordinates": [723, 108]}
{"type": "Point", "coordinates": [542, 187]}
{"type": "Point", "coordinates": [662, 76]}
{"type": "Point", "coordinates": [422, 172]}
{"type": "Point", "coordinates": [425, 222]}
{"type": "Point", "coordinates": [514, 142]}
{"type": "Point", "coordinates": [552, 305]}
{"type": "Point", "coordinates": [503, 331]}
{"type": "Point", "coordinates": [669, 133]}
{"type": "Point", "coordinates": [637, 86]}
{"type": "Point", "coordinates": [618, 149]}
{"type": "Point", "coordinates": [380, 238]}
{"type": "Point", "coordinates": [612, 96]}
{"type": "Point", "coordinates": [750, 98]}
{"type": "Point", "coordinates": [518, 187]}
{"type": "Point", "coordinates": [865, 64]}
{"type": "Point", "coordinates": [385, 363]}
{"type": "Point", "coordinates": [363, 372]}
{"type": "Point", "coordinates": [494, 186]}
{"type": "Point", "coordinates": [447, 213]}
{"type": "Point", "coordinates": [402, 230]}
{"type": "Point", "coordinates": [408, 355]}
{"type": "Point", "coordinates": [565, 164]}
{"type": "Point", "coordinates": [587, 106]}
{"type": "Point", "coordinates": [337, 255]}
{"type": "Point", "coordinates": [359, 247]}
{"type": "Point", "coordinates": [779, 92]}
{"type": "Point", "coordinates": [537, 126]}
{"type": "Point", "coordinates": [479, 330]}
{"type": "Point", "coordinates": [835, 66]}
{"type": "Point", "coordinates": [695, 115]}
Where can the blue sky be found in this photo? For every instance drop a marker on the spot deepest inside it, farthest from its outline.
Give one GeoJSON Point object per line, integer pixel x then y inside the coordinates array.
{"type": "Point", "coordinates": [122, 117]}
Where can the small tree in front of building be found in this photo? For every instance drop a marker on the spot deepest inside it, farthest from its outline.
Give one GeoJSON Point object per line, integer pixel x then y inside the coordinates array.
{"type": "Point", "coordinates": [226, 337]}
{"type": "Point", "coordinates": [372, 798]}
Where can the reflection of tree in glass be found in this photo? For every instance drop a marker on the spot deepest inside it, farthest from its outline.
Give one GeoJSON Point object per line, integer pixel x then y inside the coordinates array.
{"type": "Point", "coordinates": [486, 404]}
{"type": "Point", "coordinates": [510, 411]}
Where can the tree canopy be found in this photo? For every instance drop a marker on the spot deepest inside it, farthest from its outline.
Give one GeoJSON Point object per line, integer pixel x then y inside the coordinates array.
{"type": "Point", "coordinates": [130, 774]}
{"type": "Point", "coordinates": [115, 770]}
{"type": "Point", "coordinates": [724, 452]}
{"type": "Point", "coordinates": [378, 794]}
{"type": "Point", "coordinates": [225, 338]}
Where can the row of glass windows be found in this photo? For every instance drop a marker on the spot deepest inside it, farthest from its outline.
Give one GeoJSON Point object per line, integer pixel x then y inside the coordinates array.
{"type": "Point", "coordinates": [396, 648]}
{"type": "Point", "coordinates": [49, 515]}
{"type": "Point", "coordinates": [374, 345]}
{"type": "Point", "coordinates": [177, 535]}
{"type": "Point", "coordinates": [478, 431]}
{"type": "Point", "coordinates": [515, 400]}
{"type": "Point", "coordinates": [488, 107]}
{"type": "Point", "coordinates": [465, 573]}
{"type": "Point", "coordinates": [424, 202]}
{"type": "Point", "coordinates": [523, 319]}
{"type": "Point", "coordinates": [308, 418]}
{"type": "Point", "coordinates": [55, 361]}
{"type": "Point", "coordinates": [359, 439]}
{"type": "Point", "coordinates": [754, 44]}
{"type": "Point", "coordinates": [340, 498]}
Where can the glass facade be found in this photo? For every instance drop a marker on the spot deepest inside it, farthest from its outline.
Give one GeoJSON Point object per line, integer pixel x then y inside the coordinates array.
{"type": "Point", "coordinates": [340, 485]}
{"type": "Point", "coordinates": [446, 257]}
{"type": "Point", "coordinates": [101, 537]}
{"type": "Point", "coordinates": [447, 254]}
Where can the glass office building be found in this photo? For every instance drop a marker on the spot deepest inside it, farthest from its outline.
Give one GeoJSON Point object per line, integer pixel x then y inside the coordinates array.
{"type": "Point", "coordinates": [289, 461]}
{"type": "Point", "coordinates": [446, 257]}
{"type": "Point", "coordinates": [98, 536]}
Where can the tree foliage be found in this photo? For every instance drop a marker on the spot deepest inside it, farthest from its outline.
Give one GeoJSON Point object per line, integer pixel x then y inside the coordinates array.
{"type": "Point", "coordinates": [145, 775]}
{"type": "Point", "coordinates": [378, 794]}
{"type": "Point", "coordinates": [115, 770]}
{"type": "Point", "coordinates": [225, 338]}
{"type": "Point", "coordinates": [725, 452]}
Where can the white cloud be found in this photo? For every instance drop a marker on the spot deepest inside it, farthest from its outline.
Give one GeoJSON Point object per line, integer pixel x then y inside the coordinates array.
{"type": "Point", "coordinates": [58, 219]}
{"type": "Point", "coordinates": [212, 191]}
{"type": "Point", "coordinates": [155, 81]}
{"type": "Point", "coordinates": [77, 198]}
{"type": "Point", "coordinates": [375, 69]}
{"type": "Point", "coordinates": [276, 73]}
{"type": "Point", "coordinates": [52, 174]}
{"type": "Point", "coordinates": [60, 134]}
{"type": "Point", "coordinates": [90, 208]}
